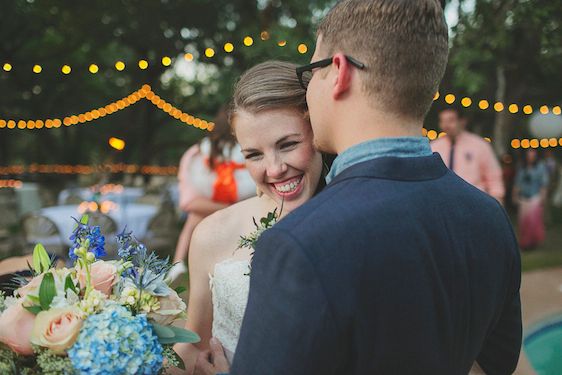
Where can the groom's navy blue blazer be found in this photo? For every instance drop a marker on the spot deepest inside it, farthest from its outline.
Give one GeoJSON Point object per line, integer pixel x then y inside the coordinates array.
{"type": "Point", "coordinates": [397, 267]}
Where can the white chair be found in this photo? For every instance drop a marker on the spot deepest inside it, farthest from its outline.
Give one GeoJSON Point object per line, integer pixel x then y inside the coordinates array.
{"type": "Point", "coordinates": [40, 229]}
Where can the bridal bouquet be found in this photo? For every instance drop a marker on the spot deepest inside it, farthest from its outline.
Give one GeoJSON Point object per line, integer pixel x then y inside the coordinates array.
{"type": "Point", "coordinates": [97, 317]}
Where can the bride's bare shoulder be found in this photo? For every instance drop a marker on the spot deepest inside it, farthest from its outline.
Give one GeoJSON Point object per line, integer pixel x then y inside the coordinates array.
{"type": "Point", "coordinates": [221, 230]}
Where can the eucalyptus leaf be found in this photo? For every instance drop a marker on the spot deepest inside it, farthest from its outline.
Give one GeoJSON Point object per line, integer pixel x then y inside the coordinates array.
{"type": "Point", "coordinates": [47, 291]}
{"type": "Point", "coordinates": [162, 331]}
{"type": "Point", "coordinates": [172, 334]}
{"type": "Point", "coordinates": [180, 289]}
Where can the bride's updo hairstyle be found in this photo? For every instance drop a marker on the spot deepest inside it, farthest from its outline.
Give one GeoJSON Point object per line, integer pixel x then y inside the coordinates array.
{"type": "Point", "coordinates": [269, 85]}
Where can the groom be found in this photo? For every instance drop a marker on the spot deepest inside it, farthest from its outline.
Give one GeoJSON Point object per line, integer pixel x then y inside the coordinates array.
{"type": "Point", "coordinates": [398, 266]}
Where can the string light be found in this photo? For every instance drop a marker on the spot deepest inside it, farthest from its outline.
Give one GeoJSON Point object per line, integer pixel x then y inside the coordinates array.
{"type": "Point", "coordinates": [543, 109]}
{"type": "Point", "coordinates": [66, 69]}
{"type": "Point", "coordinates": [466, 102]}
{"type": "Point", "coordinates": [117, 143]}
{"type": "Point", "coordinates": [513, 108]}
{"type": "Point", "coordinates": [228, 47]}
{"type": "Point", "coordinates": [145, 92]}
{"type": "Point", "coordinates": [449, 98]}
{"type": "Point", "coordinates": [143, 64]}
{"type": "Point", "coordinates": [483, 104]}
{"type": "Point", "coordinates": [264, 35]}
{"type": "Point", "coordinates": [37, 69]}
{"type": "Point", "coordinates": [436, 96]}
{"type": "Point", "coordinates": [7, 67]}
{"type": "Point", "coordinates": [166, 61]}
{"type": "Point", "coordinates": [536, 143]}
{"type": "Point", "coordinates": [302, 48]}
{"type": "Point", "coordinates": [282, 43]}
{"type": "Point", "coordinates": [498, 107]}
{"type": "Point", "coordinates": [527, 109]}
{"type": "Point", "coordinates": [209, 52]}
{"type": "Point", "coordinates": [248, 41]}
{"type": "Point", "coordinates": [188, 57]}
{"type": "Point", "coordinates": [10, 184]}
{"type": "Point", "coordinates": [93, 68]}
{"type": "Point", "coordinates": [120, 65]}
{"type": "Point", "coordinates": [86, 169]}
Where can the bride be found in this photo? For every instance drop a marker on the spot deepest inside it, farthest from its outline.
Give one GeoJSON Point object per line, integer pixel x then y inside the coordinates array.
{"type": "Point", "coordinates": [269, 119]}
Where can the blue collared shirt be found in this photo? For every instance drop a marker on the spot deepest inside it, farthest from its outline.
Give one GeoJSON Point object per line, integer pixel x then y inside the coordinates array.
{"type": "Point", "coordinates": [401, 147]}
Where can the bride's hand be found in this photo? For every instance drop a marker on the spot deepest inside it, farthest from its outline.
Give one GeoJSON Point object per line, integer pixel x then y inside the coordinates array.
{"type": "Point", "coordinates": [211, 362]}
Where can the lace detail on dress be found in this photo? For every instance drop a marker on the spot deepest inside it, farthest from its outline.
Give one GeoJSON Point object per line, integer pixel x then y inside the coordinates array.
{"type": "Point", "coordinates": [229, 287]}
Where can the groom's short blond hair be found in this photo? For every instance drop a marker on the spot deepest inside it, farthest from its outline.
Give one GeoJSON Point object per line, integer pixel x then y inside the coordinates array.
{"type": "Point", "coordinates": [403, 44]}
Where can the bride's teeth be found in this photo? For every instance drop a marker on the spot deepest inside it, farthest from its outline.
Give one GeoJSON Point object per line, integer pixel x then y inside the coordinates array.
{"type": "Point", "coordinates": [288, 187]}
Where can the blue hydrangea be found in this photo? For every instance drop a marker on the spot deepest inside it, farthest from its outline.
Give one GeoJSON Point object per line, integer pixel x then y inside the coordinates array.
{"type": "Point", "coordinates": [116, 342]}
{"type": "Point", "coordinates": [93, 235]}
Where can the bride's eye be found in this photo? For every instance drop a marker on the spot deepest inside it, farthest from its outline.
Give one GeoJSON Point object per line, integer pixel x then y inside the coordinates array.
{"type": "Point", "coordinates": [252, 156]}
{"type": "Point", "coordinates": [289, 145]}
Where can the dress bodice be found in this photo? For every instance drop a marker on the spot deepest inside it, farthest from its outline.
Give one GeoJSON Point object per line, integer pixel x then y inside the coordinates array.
{"type": "Point", "coordinates": [230, 285]}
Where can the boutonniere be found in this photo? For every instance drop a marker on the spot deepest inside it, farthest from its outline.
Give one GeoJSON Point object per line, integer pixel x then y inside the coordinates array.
{"type": "Point", "coordinates": [249, 241]}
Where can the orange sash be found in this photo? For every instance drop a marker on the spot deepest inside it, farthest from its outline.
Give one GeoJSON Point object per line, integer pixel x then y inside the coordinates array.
{"type": "Point", "coordinates": [224, 188]}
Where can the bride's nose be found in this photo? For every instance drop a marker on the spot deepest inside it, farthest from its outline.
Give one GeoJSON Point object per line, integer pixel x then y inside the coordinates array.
{"type": "Point", "coordinates": [275, 167]}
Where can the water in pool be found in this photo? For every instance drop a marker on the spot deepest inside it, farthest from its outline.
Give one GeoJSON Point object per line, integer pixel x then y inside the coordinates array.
{"type": "Point", "coordinates": [543, 346]}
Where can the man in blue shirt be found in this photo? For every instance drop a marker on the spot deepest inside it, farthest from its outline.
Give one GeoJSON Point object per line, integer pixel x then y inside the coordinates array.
{"type": "Point", "coordinates": [398, 266]}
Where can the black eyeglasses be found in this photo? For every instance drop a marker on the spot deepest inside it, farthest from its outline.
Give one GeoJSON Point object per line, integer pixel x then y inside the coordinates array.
{"type": "Point", "coordinates": [305, 72]}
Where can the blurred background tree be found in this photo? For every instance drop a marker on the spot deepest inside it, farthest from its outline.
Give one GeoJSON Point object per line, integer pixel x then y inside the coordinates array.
{"type": "Point", "coordinates": [505, 50]}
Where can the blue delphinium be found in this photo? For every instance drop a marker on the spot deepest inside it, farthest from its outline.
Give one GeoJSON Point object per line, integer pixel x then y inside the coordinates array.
{"type": "Point", "coordinates": [89, 237]}
{"type": "Point", "coordinates": [127, 244]}
{"type": "Point", "coordinates": [116, 342]}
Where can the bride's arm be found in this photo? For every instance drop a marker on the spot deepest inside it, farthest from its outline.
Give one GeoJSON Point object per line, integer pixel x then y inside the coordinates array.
{"type": "Point", "coordinates": [199, 308]}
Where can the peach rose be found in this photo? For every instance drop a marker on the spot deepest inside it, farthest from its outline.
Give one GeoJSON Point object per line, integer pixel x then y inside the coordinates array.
{"type": "Point", "coordinates": [57, 329]}
{"type": "Point", "coordinates": [103, 276]}
{"type": "Point", "coordinates": [171, 306]}
{"type": "Point", "coordinates": [16, 324]}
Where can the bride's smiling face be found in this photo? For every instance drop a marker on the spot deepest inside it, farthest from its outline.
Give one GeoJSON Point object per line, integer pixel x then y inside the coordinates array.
{"type": "Point", "coordinates": [280, 157]}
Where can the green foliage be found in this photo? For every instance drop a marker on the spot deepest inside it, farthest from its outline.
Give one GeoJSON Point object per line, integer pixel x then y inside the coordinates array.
{"type": "Point", "coordinates": [51, 363]}
{"type": "Point", "coordinates": [2, 301]}
{"type": "Point", "coordinates": [172, 334]}
{"type": "Point", "coordinates": [172, 359]}
{"type": "Point", "coordinates": [76, 33]}
{"type": "Point", "coordinates": [47, 291]}
{"type": "Point", "coordinates": [522, 37]}
{"type": "Point", "coordinates": [41, 260]}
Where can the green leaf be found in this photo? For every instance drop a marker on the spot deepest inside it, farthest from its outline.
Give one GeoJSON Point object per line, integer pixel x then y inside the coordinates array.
{"type": "Point", "coordinates": [162, 331]}
{"type": "Point", "coordinates": [180, 289]}
{"type": "Point", "coordinates": [47, 291]}
{"type": "Point", "coordinates": [84, 219]}
{"type": "Point", "coordinates": [33, 309]}
{"type": "Point", "coordinates": [69, 284]}
{"type": "Point", "coordinates": [172, 334]}
{"type": "Point", "coordinates": [33, 299]}
{"type": "Point", "coordinates": [41, 260]}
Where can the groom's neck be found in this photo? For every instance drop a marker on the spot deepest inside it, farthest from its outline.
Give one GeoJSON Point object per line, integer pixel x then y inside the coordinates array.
{"type": "Point", "coordinates": [364, 124]}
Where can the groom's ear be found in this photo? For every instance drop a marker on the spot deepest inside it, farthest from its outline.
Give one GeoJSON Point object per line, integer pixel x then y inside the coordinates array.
{"type": "Point", "coordinates": [342, 80]}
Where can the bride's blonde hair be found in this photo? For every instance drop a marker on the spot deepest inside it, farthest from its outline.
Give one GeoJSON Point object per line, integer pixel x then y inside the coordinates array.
{"type": "Point", "coordinates": [269, 85]}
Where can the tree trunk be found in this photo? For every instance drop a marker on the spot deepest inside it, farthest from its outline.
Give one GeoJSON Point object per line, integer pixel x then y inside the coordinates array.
{"type": "Point", "coordinates": [503, 120]}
